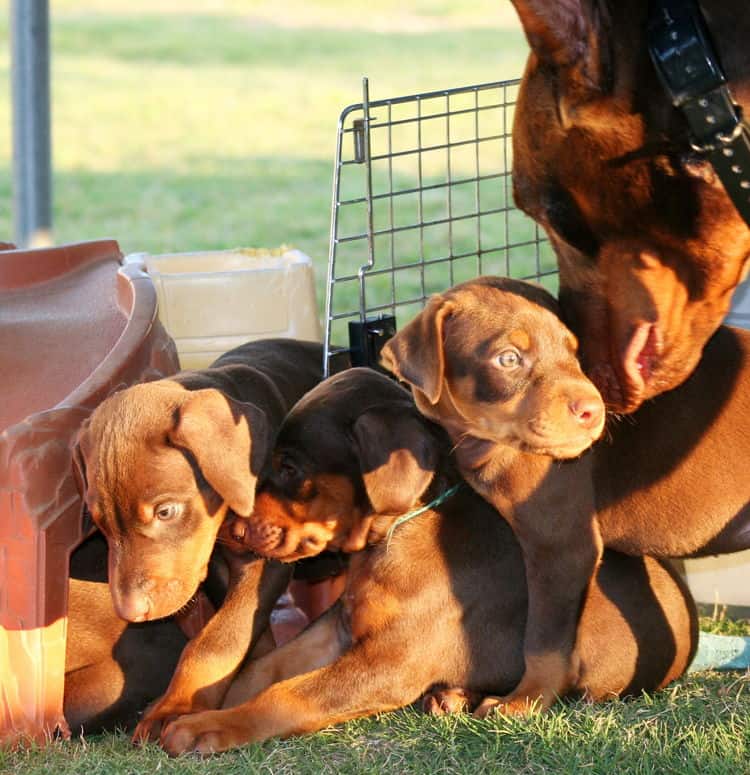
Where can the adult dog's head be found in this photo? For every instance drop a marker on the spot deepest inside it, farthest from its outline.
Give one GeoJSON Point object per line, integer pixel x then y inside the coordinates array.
{"type": "Point", "coordinates": [649, 244]}
{"type": "Point", "coordinates": [159, 467]}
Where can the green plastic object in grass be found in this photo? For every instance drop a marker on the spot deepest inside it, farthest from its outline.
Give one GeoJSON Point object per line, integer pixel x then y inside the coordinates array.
{"type": "Point", "coordinates": [721, 652]}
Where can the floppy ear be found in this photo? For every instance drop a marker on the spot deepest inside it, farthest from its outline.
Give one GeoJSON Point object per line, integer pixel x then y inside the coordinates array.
{"type": "Point", "coordinates": [228, 439]}
{"type": "Point", "coordinates": [396, 456]}
{"type": "Point", "coordinates": [566, 34]}
{"type": "Point", "coordinates": [415, 353]}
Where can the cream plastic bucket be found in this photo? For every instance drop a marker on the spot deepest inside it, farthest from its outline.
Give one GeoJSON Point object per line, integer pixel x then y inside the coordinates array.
{"type": "Point", "coordinates": [213, 301]}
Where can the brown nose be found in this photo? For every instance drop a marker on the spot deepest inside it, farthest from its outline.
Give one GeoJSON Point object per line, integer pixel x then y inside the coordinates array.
{"type": "Point", "coordinates": [263, 536]}
{"type": "Point", "coordinates": [588, 411]}
{"type": "Point", "coordinates": [132, 606]}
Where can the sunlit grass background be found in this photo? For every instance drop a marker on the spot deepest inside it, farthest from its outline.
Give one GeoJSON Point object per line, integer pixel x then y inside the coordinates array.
{"type": "Point", "coordinates": [192, 124]}
{"type": "Point", "coordinates": [197, 124]}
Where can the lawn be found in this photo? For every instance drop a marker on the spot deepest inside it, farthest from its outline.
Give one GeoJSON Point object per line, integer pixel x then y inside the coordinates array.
{"type": "Point", "coordinates": [200, 124]}
{"type": "Point", "coordinates": [700, 726]}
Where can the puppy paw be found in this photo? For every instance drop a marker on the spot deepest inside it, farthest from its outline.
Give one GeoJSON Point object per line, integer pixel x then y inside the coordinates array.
{"type": "Point", "coordinates": [201, 733]}
{"type": "Point", "coordinates": [155, 718]}
{"type": "Point", "coordinates": [509, 706]}
{"type": "Point", "coordinates": [443, 701]}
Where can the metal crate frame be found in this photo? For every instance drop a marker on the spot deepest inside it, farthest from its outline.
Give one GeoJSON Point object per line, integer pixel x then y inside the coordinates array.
{"type": "Point", "coordinates": [422, 199]}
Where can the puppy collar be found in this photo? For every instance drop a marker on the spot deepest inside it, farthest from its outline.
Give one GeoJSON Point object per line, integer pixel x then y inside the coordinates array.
{"type": "Point", "coordinates": [451, 491]}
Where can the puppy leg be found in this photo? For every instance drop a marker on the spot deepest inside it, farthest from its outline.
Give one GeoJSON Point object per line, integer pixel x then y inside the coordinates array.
{"type": "Point", "coordinates": [209, 662]}
{"type": "Point", "coordinates": [558, 573]}
{"type": "Point", "coordinates": [369, 679]}
{"type": "Point", "coordinates": [317, 646]}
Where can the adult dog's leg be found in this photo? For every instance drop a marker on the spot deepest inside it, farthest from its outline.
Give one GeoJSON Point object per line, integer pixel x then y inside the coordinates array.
{"type": "Point", "coordinates": [210, 661]}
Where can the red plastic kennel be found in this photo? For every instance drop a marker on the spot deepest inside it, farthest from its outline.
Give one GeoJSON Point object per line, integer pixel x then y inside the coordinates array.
{"type": "Point", "coordinates": [75, 323]}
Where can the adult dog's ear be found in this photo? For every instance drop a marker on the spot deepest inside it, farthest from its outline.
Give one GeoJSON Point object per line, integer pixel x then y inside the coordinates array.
{"type": "Point", "coordinates": [415, 353]}
{"type": "Point", "coordinates": [396, 456]}
{"type": "Point", "coordinates": [229, 441]}
{"type": "Point", "coordinates": [568, 34]}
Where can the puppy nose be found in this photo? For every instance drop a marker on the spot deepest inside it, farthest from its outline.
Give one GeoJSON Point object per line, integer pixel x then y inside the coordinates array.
{"type": "Point", "coordinates": [587, 411]}
{"type": "Point", "coordinates": [133, 607]}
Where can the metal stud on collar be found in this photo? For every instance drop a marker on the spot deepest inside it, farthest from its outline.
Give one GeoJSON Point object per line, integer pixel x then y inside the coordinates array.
{"type": "Point", "coordinates": [690, 71]}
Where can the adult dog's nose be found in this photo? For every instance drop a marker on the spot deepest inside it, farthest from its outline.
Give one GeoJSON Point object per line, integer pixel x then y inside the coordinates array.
{"type": "Point", "coordinates": [588, 411]}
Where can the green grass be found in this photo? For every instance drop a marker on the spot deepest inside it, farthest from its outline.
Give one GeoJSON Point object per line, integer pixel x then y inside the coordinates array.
{"type": "Point", "coordinates": [193, 125]}
{"type": "Point", "coordinates": [700, 725]}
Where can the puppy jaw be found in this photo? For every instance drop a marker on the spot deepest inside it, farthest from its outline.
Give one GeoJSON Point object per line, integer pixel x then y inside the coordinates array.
{"type": "Point", "coordinates": [289, 529]}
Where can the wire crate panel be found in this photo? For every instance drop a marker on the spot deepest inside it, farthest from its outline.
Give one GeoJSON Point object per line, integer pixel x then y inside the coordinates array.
{"type": "Point", "coordinates": [422, 200]}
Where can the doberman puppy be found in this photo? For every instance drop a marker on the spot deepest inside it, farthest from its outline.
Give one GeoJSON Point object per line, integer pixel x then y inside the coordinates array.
{"type": "Point", "coordinates": [113, 668]}
{"type": "Point", "coordinates": [440, 603]}
{"type": "Point", "coordinates": [163, 464]}
{"type": "Point", "coordinates": [649, 244]}
{"type": "Point", "coordinates": [493, 364]}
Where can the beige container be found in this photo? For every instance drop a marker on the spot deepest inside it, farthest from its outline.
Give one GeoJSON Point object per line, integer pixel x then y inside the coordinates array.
{"type": "Point", "coordinates": [213, 301]}
{"type": "Point", "coordinates": [724, 580]}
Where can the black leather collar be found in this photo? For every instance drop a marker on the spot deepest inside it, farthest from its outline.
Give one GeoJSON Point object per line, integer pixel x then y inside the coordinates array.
{"type": "Point", "coordinates": [688, 67]}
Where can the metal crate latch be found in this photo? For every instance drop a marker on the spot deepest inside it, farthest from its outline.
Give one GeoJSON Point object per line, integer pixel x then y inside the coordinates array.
{"type": "Point", "coordinates": [366, 339]}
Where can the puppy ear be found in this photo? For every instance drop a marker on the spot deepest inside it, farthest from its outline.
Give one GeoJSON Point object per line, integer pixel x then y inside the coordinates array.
{"type": "Point", "coordinates": [396, 456]}
{"type": "Point", "coordinates": [229, 441]}
{"type": "Point", "coordinates": [415, 353]}
{"type": "Point", "coordinates": [567, 34]}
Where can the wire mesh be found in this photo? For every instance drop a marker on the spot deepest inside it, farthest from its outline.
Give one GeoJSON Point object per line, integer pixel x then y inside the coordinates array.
{"type": "Point", "coordinates": [422, 200]}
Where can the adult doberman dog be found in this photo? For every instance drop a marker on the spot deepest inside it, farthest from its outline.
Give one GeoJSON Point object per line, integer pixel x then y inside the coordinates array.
{"type": "Point", "coordinates": [162, 464]}
{"type": "Point", "coordinates": [442, 602]}
{"type": "Point", "coordinates": [491, 361]}
{"type": "Point", "coordinates": [649, 245]}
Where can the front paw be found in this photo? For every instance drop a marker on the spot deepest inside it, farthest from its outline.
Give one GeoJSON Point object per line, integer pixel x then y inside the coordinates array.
{"type": "Point", "coordinates": [155, 718]}
{"type": "Point", "coordinates": [440, 702]}
{"type": "Point", "coordinates": [202, 733]}
{"type": "Point", "coordinates": [509, 706]}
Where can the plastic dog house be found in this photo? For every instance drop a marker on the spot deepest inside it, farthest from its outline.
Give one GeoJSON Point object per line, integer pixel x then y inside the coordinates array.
{"type": "Point", "coordinates": [75, 324]}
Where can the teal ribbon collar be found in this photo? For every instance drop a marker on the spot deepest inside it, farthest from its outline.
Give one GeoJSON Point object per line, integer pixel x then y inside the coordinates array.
{"type": "Point", "coordinates": [451, 491]}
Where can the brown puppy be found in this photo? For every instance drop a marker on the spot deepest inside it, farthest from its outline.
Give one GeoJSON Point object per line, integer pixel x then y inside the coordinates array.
{"type": "Point", "coordinates": [649, 245]}
{"type": "Point", "coordinates": [163, 464]}
{"type": "Point", "coordinates": [442, 604]}
{"type": "Point", "coordinates": [491, 362]}
{"type": "Point", "coordinates": [113, 669]}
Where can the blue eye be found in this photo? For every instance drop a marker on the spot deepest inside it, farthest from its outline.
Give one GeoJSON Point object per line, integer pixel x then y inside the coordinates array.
{"type": "Point", "coordinates": [509, 359]}
{"type": "Point", "coordinates": [168, 511]}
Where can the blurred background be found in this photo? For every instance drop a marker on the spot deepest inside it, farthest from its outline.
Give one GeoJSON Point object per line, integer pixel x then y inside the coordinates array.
{"type": "Point", "coordinates": [206, 124]}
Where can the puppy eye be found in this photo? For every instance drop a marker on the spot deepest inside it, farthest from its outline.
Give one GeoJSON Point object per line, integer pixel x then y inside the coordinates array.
{"type": "Point", "coordinates": [287, 469]}
{"type": "Point", "coordinates": [509, 359]}
{"type": "Point", "coordinates": [168, 511]}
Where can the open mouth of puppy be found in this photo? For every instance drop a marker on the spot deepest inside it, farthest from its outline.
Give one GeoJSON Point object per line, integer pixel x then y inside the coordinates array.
{"type": "Point", "coordinates": [281, 543]}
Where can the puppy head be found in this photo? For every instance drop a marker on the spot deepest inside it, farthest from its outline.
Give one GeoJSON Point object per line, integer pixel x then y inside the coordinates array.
{"type": "Point", "coordinates": [161, 466]}
{"type": "Point", "coordinates": [353, 452]}
{"type": "Point", "coordinates": [490, 358]}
